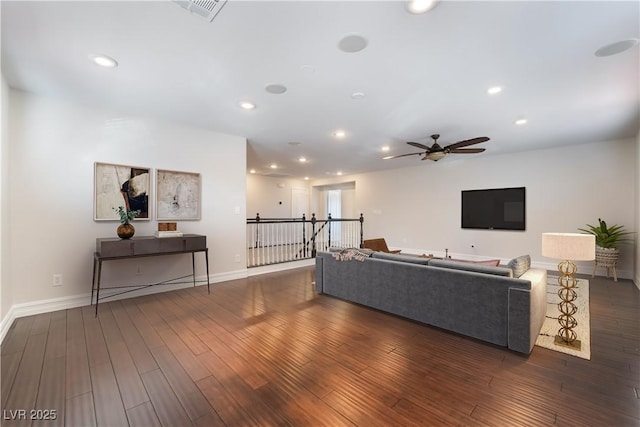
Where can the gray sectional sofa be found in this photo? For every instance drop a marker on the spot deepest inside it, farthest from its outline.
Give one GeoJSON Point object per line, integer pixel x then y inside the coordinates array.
{"type": "Point", "coordinates": [479, 301]}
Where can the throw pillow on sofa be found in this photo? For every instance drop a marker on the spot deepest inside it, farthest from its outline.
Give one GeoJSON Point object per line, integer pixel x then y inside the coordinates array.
{"type": "Point", "coordinates": [520, 265]}
{"type": "Point", "coordinates": [348, 254]}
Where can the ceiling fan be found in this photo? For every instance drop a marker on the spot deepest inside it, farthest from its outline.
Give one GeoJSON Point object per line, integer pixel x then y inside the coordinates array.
{"type": "Point", "coordinates": [436, 152]}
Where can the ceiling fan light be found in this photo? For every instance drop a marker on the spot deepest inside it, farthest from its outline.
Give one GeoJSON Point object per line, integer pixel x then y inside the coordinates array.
{"type": "Point", "coordinates": [436, 155]}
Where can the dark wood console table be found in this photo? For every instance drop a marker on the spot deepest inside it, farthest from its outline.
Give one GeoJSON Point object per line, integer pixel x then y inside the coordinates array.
{"type": "Point", "coordinates": [108, 249]}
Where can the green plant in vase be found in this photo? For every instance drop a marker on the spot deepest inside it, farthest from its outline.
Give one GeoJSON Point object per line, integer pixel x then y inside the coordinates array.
{"type": "Point", "coordinates": [608, 237]}
{"type": "Point", "coordinates": [607, 240]}
{"type": "Point", "coordinates": [126, 230]}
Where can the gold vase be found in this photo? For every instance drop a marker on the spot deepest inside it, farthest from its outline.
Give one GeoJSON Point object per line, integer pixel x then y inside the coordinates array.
{"type": "Point", "coordinates": [126, 231]}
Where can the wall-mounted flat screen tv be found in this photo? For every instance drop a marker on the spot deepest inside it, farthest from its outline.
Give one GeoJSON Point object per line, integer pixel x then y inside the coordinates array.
{"type": "Point", "coordinates": [494, 209]}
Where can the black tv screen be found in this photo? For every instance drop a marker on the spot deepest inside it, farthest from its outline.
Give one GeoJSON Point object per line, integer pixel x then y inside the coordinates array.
{"type": "Point", "coordinates": [494, 209]}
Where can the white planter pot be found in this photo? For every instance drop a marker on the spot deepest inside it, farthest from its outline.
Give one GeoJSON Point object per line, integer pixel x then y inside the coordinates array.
{"type": "Point", "coordinates": [607, 258]}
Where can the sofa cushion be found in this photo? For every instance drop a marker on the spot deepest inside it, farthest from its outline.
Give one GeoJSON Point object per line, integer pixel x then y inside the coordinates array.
{"type": "Point", "coordinates": [414, 259]}
{"type": "Point", "coordinates": [467, 266]}
{"type": "Point", "coordinates": [520, 265]}
{"type": "Point", "coordinates": [491, 262]}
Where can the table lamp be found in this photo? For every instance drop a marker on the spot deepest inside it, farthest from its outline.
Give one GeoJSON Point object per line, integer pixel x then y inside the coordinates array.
{"type": "Point", "coordinates": [568, 247]}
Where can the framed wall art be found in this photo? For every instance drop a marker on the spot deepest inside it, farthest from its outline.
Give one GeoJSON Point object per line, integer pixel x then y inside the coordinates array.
{"type": "Point", "coordinates": [120, 185]}
{"type": "Point", "coordinates": [177, 195]}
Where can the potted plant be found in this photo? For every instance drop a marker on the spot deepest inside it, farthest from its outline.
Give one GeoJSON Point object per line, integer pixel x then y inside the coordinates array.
{"type": "Point", "coordinates": [607, 240]}
{"type": "Point", "coordinates": [126, 230]}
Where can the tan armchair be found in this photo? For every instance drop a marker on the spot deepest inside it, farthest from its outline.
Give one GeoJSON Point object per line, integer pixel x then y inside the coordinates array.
{"type": "Point", "coordinates": [379, 245]}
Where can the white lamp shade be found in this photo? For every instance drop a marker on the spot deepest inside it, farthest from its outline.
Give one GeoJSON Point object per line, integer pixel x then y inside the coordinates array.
{"type": "Point", "coordinates": [571, 246]}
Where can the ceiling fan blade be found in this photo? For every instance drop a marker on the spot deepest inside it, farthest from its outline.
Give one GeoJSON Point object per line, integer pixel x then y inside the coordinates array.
{"type": "Point", "coordinates": [418, 145]}
{"type": "Point", "coordinates": [466, 143]}
{"type": "Point", "coordinates": [467, 150]}
{"type": "Point", "coordinates": [402, 155]}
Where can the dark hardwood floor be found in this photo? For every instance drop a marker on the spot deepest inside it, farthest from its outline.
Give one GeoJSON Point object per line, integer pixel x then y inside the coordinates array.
{"type": "Point", "coordinates": [268, 351]}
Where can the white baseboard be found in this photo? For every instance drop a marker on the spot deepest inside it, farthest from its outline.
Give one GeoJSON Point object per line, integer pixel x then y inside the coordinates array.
{"type": "Point", "coordinates": [42, 306]}
{"type": "Point", "coordinates": [255, 271]}
{"type": "Point", "coordinates": [6, 323]}
{"type": "Point", "coordinates": [64, 303]}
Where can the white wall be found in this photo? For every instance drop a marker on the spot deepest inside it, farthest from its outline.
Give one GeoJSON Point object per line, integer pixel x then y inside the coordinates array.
{"type": "Point", "coordinates": [637, 229]}
{"type": "Point", "coordinates": [347, 200]}
{"type": "Point", "coordinates": [271, 196]}
{"type": "Point", "coordinates": [6, 298]}
{"type": "Point", "coordinates": [264, 194]}
{"type": "Point", "coordinates": [417, 208]}
{"type": "Point", "coordinates": [53, 147]}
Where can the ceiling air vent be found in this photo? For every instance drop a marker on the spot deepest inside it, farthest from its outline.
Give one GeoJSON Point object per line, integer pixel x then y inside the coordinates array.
{"type": "Point", "coordinates": [206, 8]}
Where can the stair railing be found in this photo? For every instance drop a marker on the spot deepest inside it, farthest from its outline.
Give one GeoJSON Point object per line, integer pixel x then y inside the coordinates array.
{"type": "Point", "coordinates": [278, 240]}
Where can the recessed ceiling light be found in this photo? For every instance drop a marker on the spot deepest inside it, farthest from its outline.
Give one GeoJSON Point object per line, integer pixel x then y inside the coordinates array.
{"type": "Point", "coordinates": [352, 43]}
{"type": "Point", "coordinates": [252, 171]}
{"type": "Point", "coordinates": [339, 173]}
{"type": "Point", "coordinates": [521, 122]}
{"type": "Point", "coordinates": [302, 159]}
{"type": "Point", "coordinates": [273, 166]}
{"type": "Point", "coordinates": [339, 134]}
{"type": "Point", "coordinates": [306, 178]}
{"type": "Point", "coordinates": [104, 61]}
{"type": "Point", "coordinates": [494, 90]}
{"type": "Point", "coordinates": [357, 95]}
{"type": "Point", "coordinates": [385, 148]}
{"type": "Point", "coordinates": [420, 6]}
{"type": "Point", "coordinates": [276, 89]}
{"type": "Point", "coordinates": [617, 47]}
{"type": "Point", "coordinates": [247, 105]}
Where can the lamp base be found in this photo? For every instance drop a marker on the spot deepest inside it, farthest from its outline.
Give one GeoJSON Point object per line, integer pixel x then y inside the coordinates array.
{"type": "Point", "coordinates": [575, 344]}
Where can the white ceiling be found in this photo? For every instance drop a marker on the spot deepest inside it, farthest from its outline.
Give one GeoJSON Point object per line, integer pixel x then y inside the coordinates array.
{"type": "Point", "coordinates": [421, 74]}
